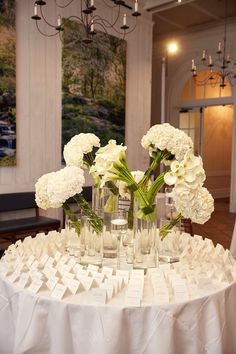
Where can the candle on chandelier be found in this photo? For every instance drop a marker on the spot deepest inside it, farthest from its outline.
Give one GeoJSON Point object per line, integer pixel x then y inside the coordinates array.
{"type": "Point", "coordinates": [124, 20]}
{"type": "Point", "coordinates": [59, 21]}
{"type": "Point", "coordinates": [210, 60]}
{"type": "Point", "coordinates": [35, 10]}
{"type": "Point", "coordinates": [91, 3]}
{"type": "Point", "coordinates": [193, 64]}
{"type": "Point", "coordinates": [219, 47]}
{"type": "Point", "coordinates": [136, 6]}
{"type": "Point", "coordinates": [204, 54]}
{"type": "Point", "coordinates": [92, 26]}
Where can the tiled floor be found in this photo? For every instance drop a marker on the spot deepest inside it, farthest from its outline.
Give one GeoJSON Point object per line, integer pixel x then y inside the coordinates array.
{"type": "Point", "coordinates": [220, 227]}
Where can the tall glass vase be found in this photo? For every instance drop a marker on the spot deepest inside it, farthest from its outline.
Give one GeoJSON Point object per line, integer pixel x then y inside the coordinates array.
{"type": "Point", "coordinates": [145, 244]}
{"type": "Point", "coordinates": [104, 200]}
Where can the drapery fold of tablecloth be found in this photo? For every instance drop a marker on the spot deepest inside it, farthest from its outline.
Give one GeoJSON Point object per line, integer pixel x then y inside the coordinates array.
{"type": "Point", "coordinates": [32, 324]}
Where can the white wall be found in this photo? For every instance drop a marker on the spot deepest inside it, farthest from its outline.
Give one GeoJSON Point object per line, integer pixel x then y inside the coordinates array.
{"type": "Point", "coordinates": [38, 67]}
{"type": "Point", "coordinates": [178, 72]}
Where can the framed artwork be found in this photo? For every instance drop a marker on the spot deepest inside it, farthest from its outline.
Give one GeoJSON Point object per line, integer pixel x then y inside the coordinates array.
{"type": "Point", "coordinates": [7, 83]}
{"type": "Point", "coordinates": [93, 87]}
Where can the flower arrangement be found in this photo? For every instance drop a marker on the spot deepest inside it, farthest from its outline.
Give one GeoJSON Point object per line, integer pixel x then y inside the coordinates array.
{"type": "Point", "coordinates": [108, 167]}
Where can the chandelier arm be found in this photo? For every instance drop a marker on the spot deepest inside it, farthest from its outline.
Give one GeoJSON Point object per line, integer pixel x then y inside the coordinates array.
{"type": "Point", "coordinates": [45, 34]}
{"type": "Point", "coordinates": [97, 19]}
{"type": "Point", "coordinates": [44, 18]}
{"type": "Point", "coordinates": [72, 17]}
{"type": "Point", "coordinates": [63, 6]}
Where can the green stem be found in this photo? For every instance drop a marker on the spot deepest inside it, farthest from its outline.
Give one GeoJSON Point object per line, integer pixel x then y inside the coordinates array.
{"type": "Point", "coordinates": [155, 187]}
{"type": "Point", "coordinates": [131, 212]}
{"type": "Point", "coordinates": [164, 230]}
{"type": "Point", "coordinates": [69, 212]}
{"type": "Point", "coordinates": [95, 221]}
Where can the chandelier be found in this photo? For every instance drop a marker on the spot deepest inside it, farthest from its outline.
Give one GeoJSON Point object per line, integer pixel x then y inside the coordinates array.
{"type": "Point", "coordinates": [221, 68]}
{"type": "Point", "coordinates": [88, 18]}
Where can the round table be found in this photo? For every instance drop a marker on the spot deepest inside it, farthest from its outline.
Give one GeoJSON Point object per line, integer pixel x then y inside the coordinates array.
{"type": "Point", "coordinates": [33, 323]}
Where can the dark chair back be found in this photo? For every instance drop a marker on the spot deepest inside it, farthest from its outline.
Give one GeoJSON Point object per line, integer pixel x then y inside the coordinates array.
{"type": "Point", "coordinates": [17, 201]}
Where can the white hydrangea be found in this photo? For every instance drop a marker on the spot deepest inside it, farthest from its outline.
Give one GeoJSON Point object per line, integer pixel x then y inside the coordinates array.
{"type": "Point", "coordinates": [196, 205]}
{"type": "Point", "coordinates": [105, 158]}
{"type": "Point", "coordinates": [41, 196]}
{"type": "Point", "coordinates": [79, 145]}
{"type": "Point", "coordinates": [64, 184]}
{"type": "Point", "coordinates": [189, 172]}
{"type": "Point", "coordinates": [53, 189]}
{"type": "Point", "coordinates": [123, 187]}
{"type": "Point", "coordinates": [166, 137]}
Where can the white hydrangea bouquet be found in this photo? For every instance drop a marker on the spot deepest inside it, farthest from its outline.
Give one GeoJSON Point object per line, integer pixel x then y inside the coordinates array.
{"type": "Point", "coordinates": [108, 167]}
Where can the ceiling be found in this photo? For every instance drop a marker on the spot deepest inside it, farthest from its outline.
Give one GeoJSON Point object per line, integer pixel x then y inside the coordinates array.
{"type": "Point", "coordinates": [170, 16]}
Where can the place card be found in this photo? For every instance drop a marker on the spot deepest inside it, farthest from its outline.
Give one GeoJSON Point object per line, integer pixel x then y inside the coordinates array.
{"type": "Point", "coordinates": [132, 301]}
{"type": "Point", "coordinates": [59, 291]}
{"type": "Point", "coordinates": [124, 274]}
{"type": "Point", "coordinates": [162, 298]}
{"type": "Point", "coordinates": [72, 263]}
{"type": "Point", "coordinates": [179, 296]}
{"type": "Point", "coordinates": [44, 259]}
{"type": "Point", "coordinates": [57, 256]}
{"type": "Point", "coordinates": [107, 271]}
{"type": "Point", "coordinates": [98, 277]}
{"type": "Point", "coordinates": [109, 287]}
{"type": "Point", "coordinates": [36, 274]}
{"type": "Point", "coordinates": [93, 267]}
{"type": "Point", "coordinates": [99, 296]}
{"type": "Point", "coordinates": [30, 261]}
{"type": "Point", "coordinates": [67, 274]}
{"type": "Point", "coordinates": [15, 275]}
{"type": "Point", "coordinates": [74, 286]}
{"type": "Point", "coordinates": [24, 280]}
{"type": "Point", "coordinates": [135, 293]}
{"type": "Point", "coordinates": [77, 267]}
{"type": "Point", "coordinates": [50, 261]}
{"type": "Point", "coordinates": [87, 282]}
{"type": "Point", "coordinates": [52, 282]}
{"type": "Point", "coordinates": [35, 264]}
{"type": "Point", "coordinates": [35, 285]}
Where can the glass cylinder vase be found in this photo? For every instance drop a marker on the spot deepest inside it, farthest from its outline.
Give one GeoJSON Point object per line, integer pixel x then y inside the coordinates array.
{"type": "Point", "coordinates": [104, 199]}
{"type": "Point", "coordinates": [145, 250]}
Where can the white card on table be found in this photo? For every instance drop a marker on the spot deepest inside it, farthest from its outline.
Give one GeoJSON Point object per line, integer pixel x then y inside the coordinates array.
{"type": "Point", "coordinates": [59, 291]}
{"type": "Point", "coordinates": [24, 279]}
{"type": "Point", "coordinates": [44, 259]}
{"type": "Point", "coordinates": [72, 262]}
{"type": "Point", "coordinates": [87, 282]}
{"type": "Point", "coordinates": [35, 285]}
{"type": "Point", "coordinates": [52, 282]}
{"type": "Point", "coordinates": [132, 301]}
{"type": "Point", "coordinates": [124, 274]}
{"type": "Point", "coordinates": [50, 261]}
{"type": "Point", "coordinates": [107, 271]}
{"type": "Point", "coordinates": [99, 296]}
{"type": "Point", "coordinates": [14, 276]}
{"type": "Point", "coordinates": [57, 256]}
{"type": "Point", "coordinates": [135, 293]}
{"type": "Point", "coordinates": [162, 298]}
{"type": "Point", "coordinates": [30, 261]}
{"type": "Point", "coordinates": [77, 267]}
{"type": "Point", "coordinates": [93, 267]}
{"type": "Point", "coordinates": [73, 285]}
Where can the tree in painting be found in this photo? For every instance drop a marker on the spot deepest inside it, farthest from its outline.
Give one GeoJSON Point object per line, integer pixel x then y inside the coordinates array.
{"type": "Point", "coordinates": [93, 85]}
{"type": "Point", "coordinates": [7, 83]}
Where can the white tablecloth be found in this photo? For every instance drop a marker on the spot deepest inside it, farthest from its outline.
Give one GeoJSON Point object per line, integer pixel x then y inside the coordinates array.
{"type": "Point", "coordinates": [33, 324]}
{"type": "Point", "coordinates": [39, 324]}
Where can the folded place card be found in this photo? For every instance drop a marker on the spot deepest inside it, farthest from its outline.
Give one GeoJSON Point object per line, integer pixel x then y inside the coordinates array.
{"type": "Point", "coordinates": [72, 262]}
{"type": "Point", "coordinates": [135, 293]}
{"type": "Point", "coordinates": [124, 274]}
{"type": "Point", "coordinates": [99, 296]}
{"type": "Point", "coordinates": [107, 271]}
{"type": "Point", "coordinates": [161, 299]}
{"type": "Point", "coordinates": [30, 261]}
{"type": "Point", "coordinates": [57, 256]}
{"type": "Point", "coordinates": [74, 286]}
{"type": "Point", "coordinates": [109, 287]}
{"type": "Point", "coordinates": [132, 301]}
{"type": "Point", "coordinates": [59, 291]}
{"type": "Point", "coordinates": [50, 261]}
{"type": "Point", "coordinates": [87, 282]}
{"type": "Point", "coordinates": [35, 285]}
{"type": "Point", "coordinates": [44, 259]}
{"type": "Point", "coordinates": [15, 276]}
{"type": "Point", "coordinates": [52, 282]}
{"type": "Point", "coordinates": [24, 280]}
{"type": "Point", "coordinates": [93, 267]}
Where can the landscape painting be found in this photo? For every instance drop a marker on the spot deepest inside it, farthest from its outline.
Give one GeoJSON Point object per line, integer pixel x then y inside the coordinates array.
{"type": "Point", "coordinates": [93, 88]}
{"type": "Point", "coordinates": [7, 83]}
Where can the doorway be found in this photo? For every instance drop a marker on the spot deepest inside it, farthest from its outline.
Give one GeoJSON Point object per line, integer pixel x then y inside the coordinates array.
{"type": "Point", "coordinates": [210, 128]}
